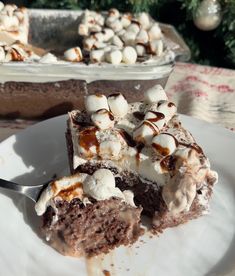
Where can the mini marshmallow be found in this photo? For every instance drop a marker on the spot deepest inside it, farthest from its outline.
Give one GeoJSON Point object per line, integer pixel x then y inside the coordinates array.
{"type": "Point", "coordinates": [113, 13]}
{"type": "Point", "coordinates": [96, 102]}
{"type": "Point", "coordinates": [155, 94]}
{"type": "Point", "coordinates": [108, 34]}
{"type": "Point", "coordinates": [9, 23]}
{"type": "Point", "coordinates": [99, 45]}
{"type": "Point", "coordinates": [19, 14]}
{"type": "Point", "coordinates": [99, 19]}
{"type": "Point", "coordinates": [141, 50]}
{"type": "Point", "coordinates": [145, 132]}
{"type": "Point", "coordinates": [103, 119]}
{"type": "Point", "coordinates": [73, 54]}
{"type": "Point", "coordinates": [144, 20]}
{"type": "Point", "coordinates": [1, 6]}
{"type": "Point", "coordinates": [116, 25]}
{"type": "Point", "coordinates": [88, 43]}
{"type": "Point", "coordinates": [156, 47]}
{"type": "Point", "coordinates": [129, 38]}
{"type": "Point", "coordinates": [164, 144]}
{"type": "Point", "coordinates": [97, 56]}
{"type": "Point", "coordinates": [167, 108]}
{"type": "Point", "coordinates": [109, 149]}
{"type": "Point", "coordinates": [142, 37]}
{"type": "Point", "coordinates": [95, 28]}
{"type": "Point", "coordinates": [129, 55]}
{"type": "Point", "coordinates": [156, 118]}
{"type": "Point", "coordinates": [125, 20]}
{"type": "Point", "coordinates": [155, 32]}
{"type": "Point", "coordinates": [9, 9]}
{"type": "Point", "coordinates": [48, 58]}
{"type": "Point", "coordinates": [2, 54]}
{"type": "Point", "coordinates": [118, 105]}
{"type": "Point", "coordinates": [83, 30]}
{"type": "Point", "coordinates": [98, 36]}
{"type": "Point", "coordinates": [121, 33]}
{"type": "Point", "coordinates": [114, 57]}
{"type": "Point", "coordinates": [134, 27]}
{"type": "Point", "coordinates": [117, 41]}
{"type": "Point", "coordinates": [110, 20]}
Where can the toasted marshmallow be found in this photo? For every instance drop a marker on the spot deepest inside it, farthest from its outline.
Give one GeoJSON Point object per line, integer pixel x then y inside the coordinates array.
{"type": "Point", "coordinates": [73, 54]}
{"type": "Point", "coordinates": [1, 6]}
{"type": "Point", "coordinates": [129, 38]}
{"type": "Point", "coordinates": [140, 50]}
{"type": "Point", "coordinates": [134, 28]}
{"type": "Point", "coordinates": [129, 55]}
{"type": "Point", "coordinates": [155, 32]}
{"type": "Point", "coordinates": [145, 132]}
{"type": "Point", "coordinates": [96, 102]}
{"type": "Point", "coordinates": [164, 144]}
{"type": "Point", "coordinates": [156, 47]}
{"type": "Point", "coordinates": [144, 20]}
{"type": "Point", "coordinates": [125, 20]}
{"type": "Point", "coordinates": [2, 54]}
{"type": "Point", "coordinates": [88, 43]}
{"type": "Point", "coordinates": [103, 119]}
{"type": "Point", "coordinates": [155, 94]}
{"type": "Point", "coordinates": [83, 29]}
{"type": "Point", "coordinates": [97, 56]}
{"type": "Point", "coordinates": [156, 118]}
{"type": "Point", "coordinates": [167, 108]}
{"type": "Point", "coordinates": [48, 58]}
{"type": "Point", "coordinates": [116, 25]}
{"type": "Point", "coordinates": [108, 34]}
{"type": "Point", "coordinates": [101, 185]}
{"type": "Point", "coordinates": [110, 149]}
{"type": "Point", "coordinates": [117, 41]}
{"type": "Point", "coordinates": [142, 37]}
{"type": "Point", "coordinates": [118, 105]}
{"type": "Point", "coordinates": [114, 57]}
{"type": "Point", "coordinates": [113, 13]}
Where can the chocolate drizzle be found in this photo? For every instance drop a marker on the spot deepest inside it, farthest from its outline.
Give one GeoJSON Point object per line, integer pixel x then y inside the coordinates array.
{"type": "Point", "coordinates": [193, 146]}
{"type": "Point", "coordinates": [88, 139]}
{"type": "Point", "coordinates": [168, 163]}
{"type": "Point", "coordinates": [159, 116]}
{"type": "Point", "coordinates": [127, 137]}
{"type": "Point", "coordinates": [176, 141]}
{"type": "Point", "coordinates": [138, 115]}
{"type": "Point", "coordinates": [139, 149]}
{"type": "Point", "coordinates": [170, 104]}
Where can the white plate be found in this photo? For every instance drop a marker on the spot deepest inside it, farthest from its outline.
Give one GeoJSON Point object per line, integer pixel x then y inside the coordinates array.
{"type": "Point", "coordinates": [205, 246]}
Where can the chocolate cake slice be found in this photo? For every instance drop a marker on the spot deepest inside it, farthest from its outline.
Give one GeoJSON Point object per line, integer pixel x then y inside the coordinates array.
{"type": "Point", "coordinates": [149, 152]}
{"type": "Point", "coordinates": [85, 215]}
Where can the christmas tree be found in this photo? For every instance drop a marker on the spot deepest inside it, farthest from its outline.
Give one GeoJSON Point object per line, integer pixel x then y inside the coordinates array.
{"type": "Point", "coordinates": [215, 47]}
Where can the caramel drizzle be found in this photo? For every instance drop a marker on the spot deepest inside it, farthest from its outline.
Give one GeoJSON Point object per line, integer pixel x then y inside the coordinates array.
{"type": "Point", "coordinates": [70, 192]}
{"type": "Point", "coordinates": [88, 139]}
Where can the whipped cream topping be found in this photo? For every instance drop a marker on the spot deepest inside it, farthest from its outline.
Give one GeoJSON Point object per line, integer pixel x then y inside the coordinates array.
{"type": "Point", "coordinates": [146, 138]}
{"type": "Point", "coordinates": [100, 186]}
{"type": "Point", "coordinates": [127, 35]}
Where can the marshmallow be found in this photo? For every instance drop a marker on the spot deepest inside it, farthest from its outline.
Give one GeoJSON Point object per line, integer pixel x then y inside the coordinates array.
{"type": "Point", "coordinates": [129, 38]}
{"type": "Point", "coordinates": [116, 25]}
{"type": "Point", "coordinates": [103, 119]}
{"type": "Point", "coordinates": [156, 118]}
{"type": "Point", "coordinates": [140, 50]}
{"type": "Point", "coordinates": [48, 58]}
{"type": "Point", "coordinates": [164, 144]}
{"type": "Point", "coordinates": [96, 102]}
{"type": "Point", "coordinates": [114, 13]}
{"type": "Point", "coordinates": [9, 9]}
{"type": "Point", "coordinates": [1, 6]}
{"type": "Point", "coordinates": [129, 55]}
{"type": "Point", "coordinates": [19, 13]}
{"type": "Point", "coordinates": [9, 23]}
{"type": "Point", "coordinates": [101, 185]}
{"type": "Point", "coordinates": [95, 28]}
{"type": "Point", "coordinates": [134, 27]}
{"type": "Point", "coordinates": [99, 45]}
{"type": "Point", "coordinates": [99, 19]}
{"type": "Point", "coordinates": [15, 53]}
{"type": "Point", "coordinates": [83, 30]}
{"type": "Point", "coordinates": [145, 132]}
{"type": "Point", "coordinates": [142, 37]}
{"type": "Point", "coordinates": [155, 94]}
{"type": "Point", "coordinates": [110, 149]}
{"type": "Point", "coordinates": [167, 108]}
{"type": "Point", "coordinates": [121, 33]}
{"type": "Point", "coordinates": [108, 34]}
{"type": "Point", "coordinates": [117, 41]}
{"type": "Point", "coordinates": [98, 36]}
{"type": "Point", "coordinates": [2, 54]}
{"type": "Point", "coordinates": [155, 32]}
{"type": "Point", "coordinates": [118, 105]}
{"type": "Point", "coordinates": [97, 56]}
{"type": "Point", "coordinates": [126, 20]}
{"type": "Point", "coordinates": [73, 54]}
{"type": "Point", "coordinates": [88, 43]}
{"type": "Point", "coordinates": [156, 47]}
{"type": "Point", "coordinates": [114, 57]}
{"type": "Point", "coordinates": [144, 20]}
{"type": "Point", "coordinates": [110, 20]}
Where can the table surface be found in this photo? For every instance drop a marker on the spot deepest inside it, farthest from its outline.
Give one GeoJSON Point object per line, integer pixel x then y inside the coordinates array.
{"type": "Point", "coordinates": [203, 92]}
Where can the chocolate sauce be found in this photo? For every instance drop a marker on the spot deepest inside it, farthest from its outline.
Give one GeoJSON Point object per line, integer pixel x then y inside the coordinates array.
{"type": "Point", "coordinates": [159, 116]}
{"type": "Point", "coordinates": [193, 146]}
{"type": "Point", "coordinates": [16, 56]}
{"type": "Point", "coordinates": [163, 151]}
{"type": "Point", "coordinates": [176, 141]}
{"type": "Point", "coordinates": [71, 191]}
{"type": "Point", "coordinates": [168, 163]}
{"type": "Point", "coordinates": [139, 149]}
{"type": "Point", "coordinates": [114, 95]}
{"type": "Point", "coordinates": [170, 104]}
{"type": "Point", "coordinates": [88, 139]}
{"type": "Point", "coordinates": [138, 115]}
{"type": "Point", "coordinates": [128, 138]}
{"type": "Point", "coordinates": [154, 128]}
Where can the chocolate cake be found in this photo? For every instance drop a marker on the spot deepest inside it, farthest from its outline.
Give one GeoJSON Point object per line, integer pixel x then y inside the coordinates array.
{"type": "Point", "coordinates": [86, 215]}
{"type": "Point", "coordinates": [149, 152]}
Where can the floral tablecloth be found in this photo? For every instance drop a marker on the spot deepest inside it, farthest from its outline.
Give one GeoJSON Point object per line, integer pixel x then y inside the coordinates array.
{"type": "Point", "coordinates": [203, 92]}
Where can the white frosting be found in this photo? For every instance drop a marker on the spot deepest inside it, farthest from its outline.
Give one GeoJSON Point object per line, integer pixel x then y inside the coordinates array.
{"type": "Point", "coordinates": [48, 58]}
{"type": "Point", "coordinates": [96, 102]}
{"type": "Point", "coordinates": [73, 54]}
{"type": "Point", "coordinates": [118, 105]}
{"type": "Point", "coordinates": [102, 119]}
{"type": "Point", "coordinates": [164, 144]}
{"type": "Point", "coordinates": [155, 94]}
